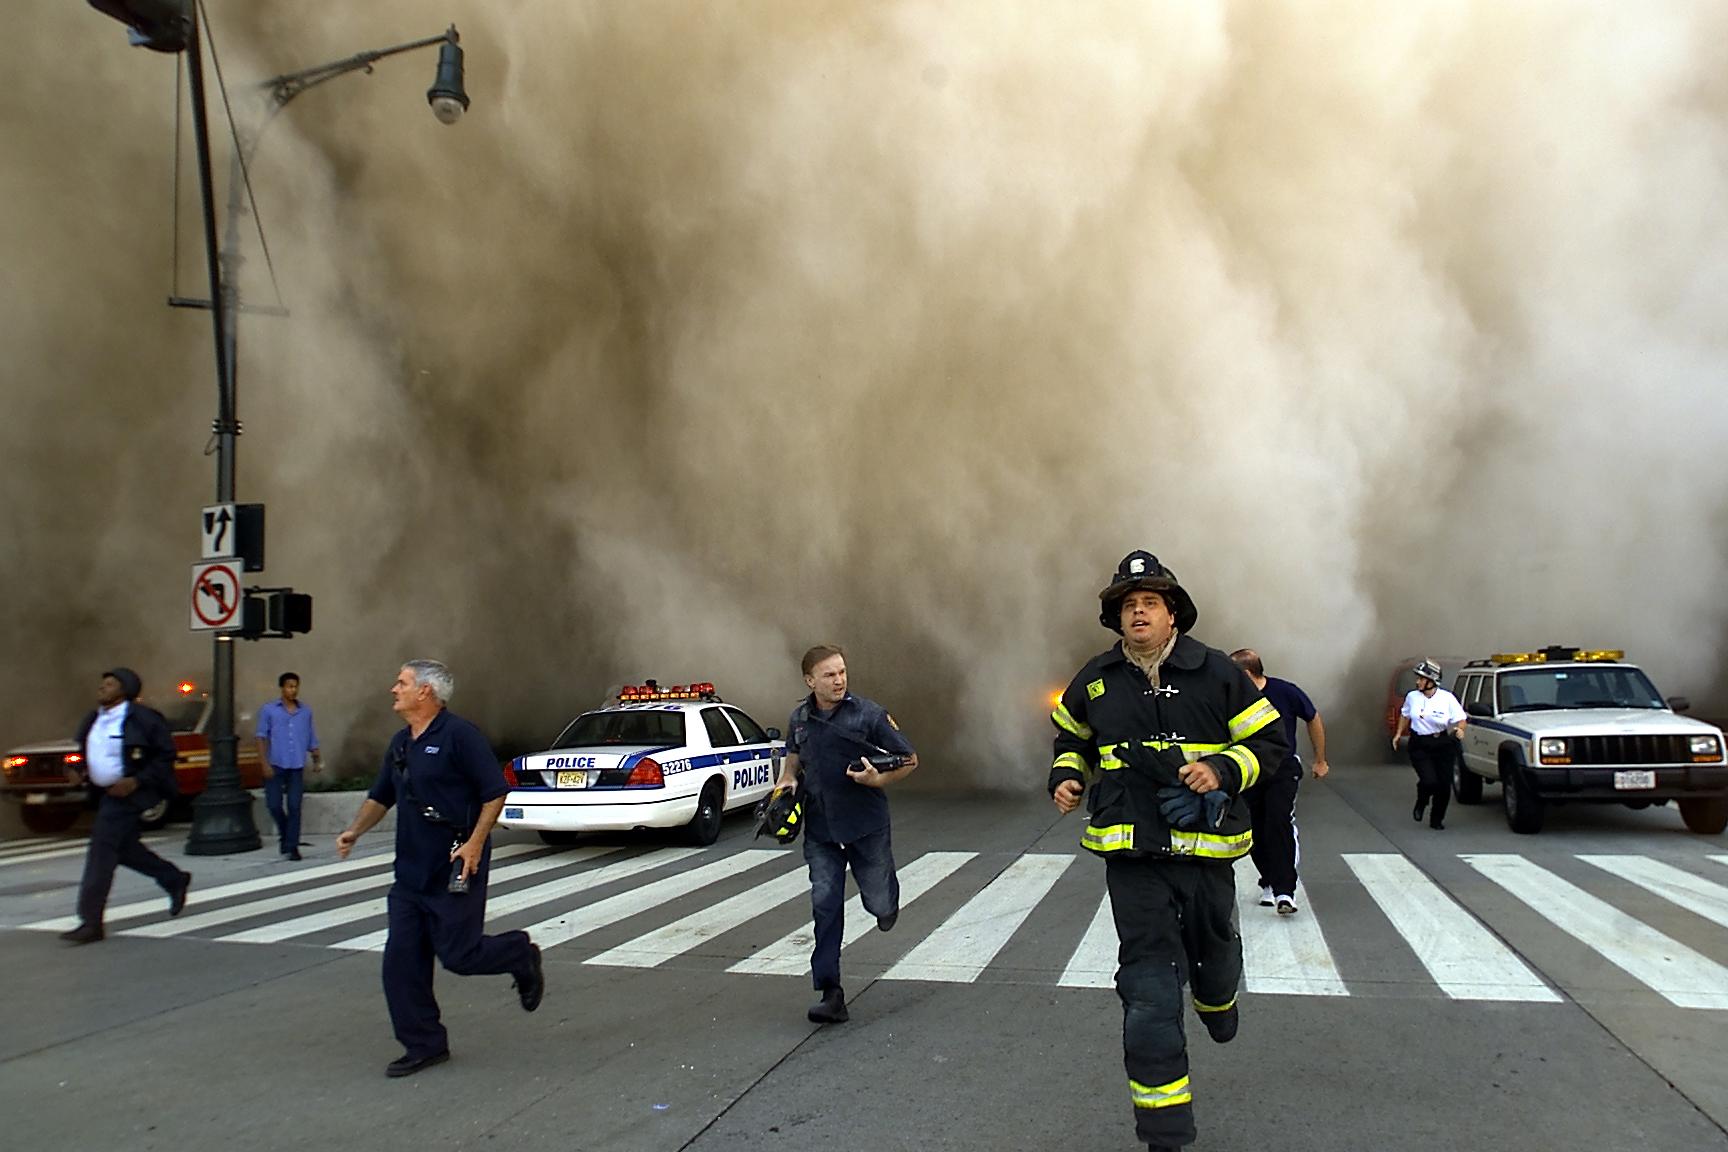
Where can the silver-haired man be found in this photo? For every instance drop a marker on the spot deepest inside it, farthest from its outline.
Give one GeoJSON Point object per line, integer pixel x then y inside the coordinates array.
{"type": "Point", "coordinates": [448, 790]}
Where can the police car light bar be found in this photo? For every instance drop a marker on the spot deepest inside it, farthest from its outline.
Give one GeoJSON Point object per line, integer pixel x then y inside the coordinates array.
{"type": "Point", "coordinates": [1557, 653]}
{"type": "Point", "coordinates": [651, 691]}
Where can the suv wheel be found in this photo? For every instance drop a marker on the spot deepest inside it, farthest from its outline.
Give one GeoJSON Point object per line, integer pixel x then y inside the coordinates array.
{"type": "Point", "coordinates": [154, 816]}
{"type": "Point", "coordinates": [1706, 816]}
{"type": "Point", "coordinates": [1524, 809]}
{"type": "Point", "coordinates": [49, 819]}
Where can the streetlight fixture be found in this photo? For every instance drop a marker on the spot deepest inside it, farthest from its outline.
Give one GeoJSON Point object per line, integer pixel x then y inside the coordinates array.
{"type": "Point", "coordinates": [222, 814]}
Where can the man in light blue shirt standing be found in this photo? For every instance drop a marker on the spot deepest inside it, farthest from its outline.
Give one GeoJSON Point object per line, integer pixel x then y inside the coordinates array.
{"type": "Point", "coordinates": [286, 739]}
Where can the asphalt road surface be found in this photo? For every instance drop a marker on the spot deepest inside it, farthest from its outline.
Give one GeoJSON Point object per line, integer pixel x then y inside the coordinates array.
{"type": "Point", "coordinates": [1460, 989]}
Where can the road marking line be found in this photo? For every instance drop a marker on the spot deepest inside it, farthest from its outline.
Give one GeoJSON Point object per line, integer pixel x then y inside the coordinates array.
{"type": "Point", "coordinates": [41, 856]}
{"type": "Point", "coordinates": [1093, 964]}
{"type": "Point", "coordinates": [790, 955]}
{"type": "Point", "coordinates": [1693, 893]}
{"type": "Point", "coordinates": [549, 891]}
{"type": "Point", "coordinates": [1283, 955]}
{"type": "Point", "coordinates": [662, 944]}
{"type": "Point", "coordinates": [199, 895]}
{"type": "Point", "coordinates": [965, 943]}
{"type": "Point", "coordinates": [181, 925]}
{"type": "Point", "coordinates": [373, 909]}
{"type": "Point", "coordinates": [1669, 968]}
{"type": "Point", "coordinates": [1466, 960]}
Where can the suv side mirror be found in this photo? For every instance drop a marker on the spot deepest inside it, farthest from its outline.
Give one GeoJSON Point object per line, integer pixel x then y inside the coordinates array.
{"type": "Point", "coordinates": [1478, 708]}
{"type": "Point", "coordinates": [1679, 703]}
{"type": "Point", "coordinates": [773, 733]}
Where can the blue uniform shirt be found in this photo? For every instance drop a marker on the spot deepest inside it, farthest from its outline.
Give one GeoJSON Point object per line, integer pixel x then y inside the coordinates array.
{"type": "Point", "coordinates": [449, 767]}
{"type": "Point", "coordinates": [837, 809]}
{"type": "Point", "coordinates": [290, 734]}
{"type": "Point", "coordinates": [1293, 705]}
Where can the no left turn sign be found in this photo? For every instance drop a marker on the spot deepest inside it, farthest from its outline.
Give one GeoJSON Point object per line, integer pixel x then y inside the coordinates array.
{"type": "Point", "coordinates": [215, 595]}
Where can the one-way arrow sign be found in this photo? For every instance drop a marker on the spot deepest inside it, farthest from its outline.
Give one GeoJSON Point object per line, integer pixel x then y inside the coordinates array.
{"type": "Point", "coordinates": [218, 526]}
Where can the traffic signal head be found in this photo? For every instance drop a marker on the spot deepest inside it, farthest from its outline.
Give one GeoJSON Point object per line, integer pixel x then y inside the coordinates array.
{"type": "Point", "coordinates": [289, 612]}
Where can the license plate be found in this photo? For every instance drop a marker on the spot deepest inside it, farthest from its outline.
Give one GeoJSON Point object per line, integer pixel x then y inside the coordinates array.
{"type": "Point", "coordinates": [35, 797]}
{"type": "Point", "coordinates": [513, 814]}
{"type": "Point", "coordinates": [572, 779]}
{"type": "Point", "coordinates": [1639, 779]}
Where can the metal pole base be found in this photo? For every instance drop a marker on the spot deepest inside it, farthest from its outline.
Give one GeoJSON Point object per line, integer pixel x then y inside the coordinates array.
{"type": "Point", "coordinates": [222, 824]}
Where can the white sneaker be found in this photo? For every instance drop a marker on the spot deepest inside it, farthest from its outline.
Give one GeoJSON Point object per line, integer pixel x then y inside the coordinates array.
{"type": "Point", "coordinates": [1265, 896]}
{"type": "Point", "coordinates": [1286, 905]}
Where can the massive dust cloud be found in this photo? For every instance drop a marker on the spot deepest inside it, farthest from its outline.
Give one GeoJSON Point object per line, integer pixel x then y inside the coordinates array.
{"type": "Point", "coordinates": [713, 332]}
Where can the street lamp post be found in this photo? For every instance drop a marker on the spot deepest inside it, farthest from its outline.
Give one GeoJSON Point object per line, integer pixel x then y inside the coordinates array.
{"type": "Point", "coordinates": [222, 814]}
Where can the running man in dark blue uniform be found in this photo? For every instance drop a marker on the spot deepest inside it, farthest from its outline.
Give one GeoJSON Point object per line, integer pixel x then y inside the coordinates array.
{"type": "Point", "coordinates": [831, 739]}
{"type": "Point", "coordinates": [447, 788]}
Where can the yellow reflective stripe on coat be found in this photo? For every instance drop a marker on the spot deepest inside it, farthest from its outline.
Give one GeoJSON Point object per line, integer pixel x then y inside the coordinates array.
{"type": "Point", "coordinates": [1209, 845]}
{"type": "Point", "coordinates": [1109, 761]}
{"type": "Point", "coordinates": [1160, 1096]}
{"type": "Point", "coordinates": [1251, 719]}
{"type": "Point", "coordinates": [1115, 838]}
{"type": "Point", "coordinates": [1199, 1007]}
{"type": "Point", "coordinates": [1247, 762]}
{"type": "Point", "coordinates": [1065, 721]}
{"type": "Point", "coordinates": [1071, 760]}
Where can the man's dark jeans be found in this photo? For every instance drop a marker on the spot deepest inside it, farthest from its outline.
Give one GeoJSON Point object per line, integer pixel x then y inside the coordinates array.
{"type": "Point", "coordinates": [872, 861]}
{"type": "Point", "coordinates": [282, 796]}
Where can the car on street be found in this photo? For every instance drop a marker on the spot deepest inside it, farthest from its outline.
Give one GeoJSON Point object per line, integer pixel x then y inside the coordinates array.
{"type": "Point", "coordinates": [677, 757]}
{"type": "Point", "coordinates": [1566, 725]}
{"type": "Point", "coordinates": [49, 784]}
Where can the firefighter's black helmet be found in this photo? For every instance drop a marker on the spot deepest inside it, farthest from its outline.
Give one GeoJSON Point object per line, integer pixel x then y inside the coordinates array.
{"type": "Point", "coordinates": [1141, 571]}
{"type": "Point", "coordinates": [780, 814]}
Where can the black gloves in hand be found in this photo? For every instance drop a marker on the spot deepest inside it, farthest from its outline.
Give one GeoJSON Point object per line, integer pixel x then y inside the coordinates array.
{"type": "Point", "coordinates": [1163, 766]}
{"type": "Point", "coordinates": [1182, 808]}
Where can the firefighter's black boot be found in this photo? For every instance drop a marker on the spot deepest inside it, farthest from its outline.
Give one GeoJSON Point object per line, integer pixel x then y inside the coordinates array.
{"type": "Point", "coordinates": [1221, 1026]}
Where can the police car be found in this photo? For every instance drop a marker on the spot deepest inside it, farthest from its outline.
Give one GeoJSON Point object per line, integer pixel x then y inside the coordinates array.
{"type": "Point", "coordinates": [1564, 724]}
{"type": "Point", "coordinates": [678, 757]}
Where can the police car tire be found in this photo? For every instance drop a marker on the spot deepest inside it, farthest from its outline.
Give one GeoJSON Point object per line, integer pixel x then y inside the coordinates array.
{"type": "Point", "coordinates": [1467, 786]}
{"type": "Point", "coordinates": [704, 827]}
{"type": "Point", "coordinates": [1524, 809]}
{"type": "Point", "coordinates": [1707, 816]}
{"type": "Point", "coordinates": [560, 839]}
{"type": "Point", "coordinates": [155, 816]}
{"type": "Point", "coordinates": [49, 819]}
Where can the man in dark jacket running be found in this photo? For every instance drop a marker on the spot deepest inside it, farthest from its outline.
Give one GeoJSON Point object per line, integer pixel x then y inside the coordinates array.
{"type": "Point", "coordinates": [129, 755]}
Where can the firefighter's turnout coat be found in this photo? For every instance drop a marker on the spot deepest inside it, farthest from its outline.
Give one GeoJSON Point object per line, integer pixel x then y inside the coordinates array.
{"type": "Point", "coordinates": [1206, 708]}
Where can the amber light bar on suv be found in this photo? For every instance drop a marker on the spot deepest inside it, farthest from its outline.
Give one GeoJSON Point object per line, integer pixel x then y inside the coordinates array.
{"type": "Point", "coordinates": [1558, 654]}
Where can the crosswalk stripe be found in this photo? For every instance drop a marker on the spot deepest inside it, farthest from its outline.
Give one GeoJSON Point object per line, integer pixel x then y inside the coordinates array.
{"type": "Point", "coordinates": [790, 955]}
{"type": "Point", "coordinates": [1093, 964]}
{"type": "Point", "coordinates": [959, 950]}
{"type": "Point", "coordinates": [545, 893]}
{"type": "Point", "coordinates": [45, 855]}
{"type": "Point", "coordinates": [566, 926]}
{"type": "Point", "coordinates": [33, 844]}
{"type": "Point", "coordinates": [1693, 893]}
{"type": "Point", "coordinates": [199, 895]}
{"type": "Point", "coordinates": [196, 921]}
{"type": "Point", "coordinates": [376, 908]}
{"type": "Point", "coordinates": [1283, 955]}
{"type": "Point", "coordinates": [680, 936]}
{"type": "Point", "coordinates": [1669, 968]}
{"type": "Point", "coordinates": [1466, 960]}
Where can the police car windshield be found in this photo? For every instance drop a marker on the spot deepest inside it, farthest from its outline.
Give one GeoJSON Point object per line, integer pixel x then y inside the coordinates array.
{"type": "Point", "coordinates": [645, 727]}
{"type": "Point", "coordinates": [183, 715]}
{"type": "Point", "coordinates": [1576, 687]}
